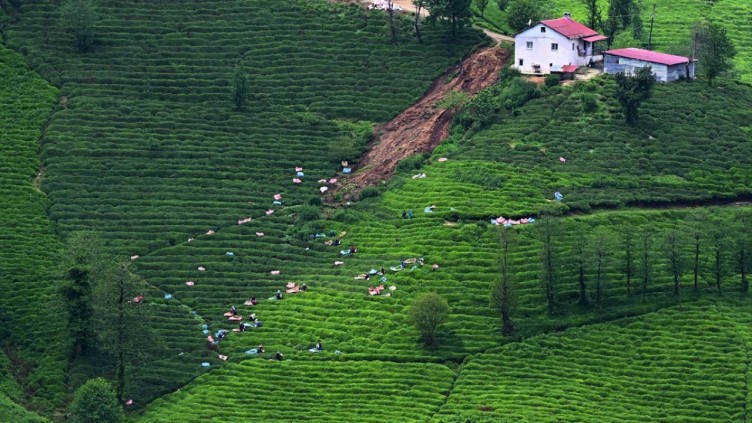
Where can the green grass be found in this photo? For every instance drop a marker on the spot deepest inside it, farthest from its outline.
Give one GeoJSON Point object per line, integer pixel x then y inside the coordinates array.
{"type": "Point", "coordinates": [314, 391]}
{"type": "Point", "coordinates": [685, 363]}
{"type": "Point", "coordinates": [29, 249]}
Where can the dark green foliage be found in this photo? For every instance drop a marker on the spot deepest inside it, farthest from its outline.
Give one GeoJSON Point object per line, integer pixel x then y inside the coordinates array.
{"type": "Point", "coordinates": [127, 335]}
{"type": "Point", "coordinates": [411, 163]}
{"type": "Point", "coordinates": [594, 15]}
{"type": "Point", "coordinates": [552, 80]}
{"type": "Point", "coordinates": [631, 91]}
{"type": "Point", "coordinates": [83, 269]}
{"type": "Point", "coordinates": [95, 402]}
{"type": "Point", "coordinates": [480, 110]}
{"type": "Point", "coordinates": [308, 213]}
{"type": "Point", "coordinates": [482, 4]}
{"type": "Point", "coordinates": [369, 192]}
{"type": "Point", "coordinates": [502, 4]}
{"type": "Point", "coordinates": [454, 12]}
{"type": "Point", "coordinates": [715, 51]}
{"type": "Point", "coordinates": [518, 92]}
{"type": "Point", "coordinates": [80, 17]}
{"type": "Point", "coordinates": [508, 73]}
{"type": "Point", "coordinates": [520, 12]}
{"type": "Point", "coordinates": [502, 292]}
{"type": "Point", "coordinates": [240, 87]}
{"type": "Point", "coordinates": [427, 312]}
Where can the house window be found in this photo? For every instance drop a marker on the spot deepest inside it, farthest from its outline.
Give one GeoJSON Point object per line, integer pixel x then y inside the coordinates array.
{"type": "Point", "coordinates": [543, 29]}
{"type": "Point", "coordinates": [529, 45]}
{"type": "Point", "coordinates": [554, 47]}
{"type": "Point", "coordinates": [617, 60]}
{"type": "Point", "coordinates": [572, 46]}
{"type": "Point", "coordinates": [520, 62]}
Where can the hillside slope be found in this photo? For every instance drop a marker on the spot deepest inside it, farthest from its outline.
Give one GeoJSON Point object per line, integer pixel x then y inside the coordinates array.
{"type": "Point", "coordinates": [30, 331]}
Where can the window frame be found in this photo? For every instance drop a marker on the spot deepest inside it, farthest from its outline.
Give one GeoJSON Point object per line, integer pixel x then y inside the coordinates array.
{"type": "Point", "coordinates": [554, 46]}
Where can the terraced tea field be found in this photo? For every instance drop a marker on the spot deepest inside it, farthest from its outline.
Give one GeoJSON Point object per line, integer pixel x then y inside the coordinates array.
{"type": "Point", "coordinates": [147, 149]}
{"type": "Point", "coordinates": [29, 249]}
{"type": "Point", "coordinates": [216, 206]}
{"type": "Point", "coordinates": [685, 363]}
{"type": "Point", "coordinates": [314, 391]}
{"type": "Point", "coordinates": [700, 151]}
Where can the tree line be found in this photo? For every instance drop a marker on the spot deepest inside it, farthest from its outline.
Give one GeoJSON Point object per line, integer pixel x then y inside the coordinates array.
{"type": "Point", "coordinates": [704, 248]}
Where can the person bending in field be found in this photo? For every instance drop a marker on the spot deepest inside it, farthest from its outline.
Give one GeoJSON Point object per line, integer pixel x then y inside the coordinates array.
{"type": "Point", "coordinates": [353, 250]}
{"type": "Point", "coordinates": [319, 346]}
{"type": "Point", "coordinates": [336, 242]}
{"type": "Point", "coordinates": [260, 349]}
{"type": "Point", "coordinates": [241, 327]}
{"type": "Point", "coordinates": [233, 310]}
{"type": "Point", "coordinates": [303, 288]}
{"type": "Point", "coordinates": [279, 294]}
{"type": "Point", "coordinates": [254, 301]}
{"type": "Point", "coordinates": [279, 356]}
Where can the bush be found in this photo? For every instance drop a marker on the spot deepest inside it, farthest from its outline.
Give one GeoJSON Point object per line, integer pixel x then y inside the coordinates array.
{"type": "Point", "coordinates": [588, 103]}
{"type": "Point", "coordinates": [309, 213]}
{"type": "Point", "coordinates": [519, 92]}
{"type": "Point", "coordinates": [369, 192]}
{"type": "Point", "coordinates": [95, 402]}
{"type": "Point", "coordinates": [427, 312]}
{"type": "Point", "coordinates": [551, 80]}
{"type": "Point", "coordinates": [314, 201]}
{"type": "Point", "coordinates": [508, 73]}
{"type": "Point", "coordinates": [409, 163]}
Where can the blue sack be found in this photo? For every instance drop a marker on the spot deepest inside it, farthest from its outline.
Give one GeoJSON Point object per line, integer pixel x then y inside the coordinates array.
{"type": "Point", "coordinates": [346, 170]}
{"type": "Point", "coordinates": [167, 296]}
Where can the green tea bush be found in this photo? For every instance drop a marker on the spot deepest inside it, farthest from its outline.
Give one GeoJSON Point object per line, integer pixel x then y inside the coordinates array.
{"type": "Point", "coordinates": [411, 163]}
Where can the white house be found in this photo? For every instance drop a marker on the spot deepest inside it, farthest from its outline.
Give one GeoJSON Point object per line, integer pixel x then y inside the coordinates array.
{"type": "Point", "coordinates": [558, 45]}
{"type": "Point", "coordinates": [665, 67]}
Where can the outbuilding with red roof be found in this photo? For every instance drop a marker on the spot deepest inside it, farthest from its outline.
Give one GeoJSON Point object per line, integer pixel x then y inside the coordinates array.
{"type": "Point", "coordinates": [554, 44]}
{"type": "Point", "coordinates": [665, 67]}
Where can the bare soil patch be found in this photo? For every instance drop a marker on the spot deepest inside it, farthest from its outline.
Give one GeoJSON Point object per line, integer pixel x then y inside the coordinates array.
{"type": "Point", "coordinates": [423, 126]}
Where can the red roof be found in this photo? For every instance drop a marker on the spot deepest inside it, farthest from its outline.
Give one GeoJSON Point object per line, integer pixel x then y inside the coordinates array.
{"type": "Point", "coordinates": [569, 68]}
{"type": "Point", "coordinates": [595, 38]}
{"type": "Point", "coordinates": [648, 56]}
{"type": "Point", "coordinates": [569, 28]}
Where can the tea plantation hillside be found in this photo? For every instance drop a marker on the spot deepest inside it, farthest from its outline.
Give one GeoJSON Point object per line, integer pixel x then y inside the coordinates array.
{"type": "Point", "coordinates": [685, 363]}
{"type": "Point", "coordinates": [574, 141]}
{"type": "Point", "coordinates": [315, 391]}
{"type": "Point", "coordinates": [647, 256]}
{"type": "Point", "coordinates": [147, 148]}
{"type": "Point", "coordinates": [29, 249]}
{"type": "Point", "coordinates": [673, 23]}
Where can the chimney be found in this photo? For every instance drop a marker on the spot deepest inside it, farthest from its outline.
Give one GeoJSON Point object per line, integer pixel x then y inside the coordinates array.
{"type": "Point", "coordinates": [567, 15]}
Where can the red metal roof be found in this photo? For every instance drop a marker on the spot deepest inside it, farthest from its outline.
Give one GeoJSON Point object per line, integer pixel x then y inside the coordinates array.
{"type": "Point", "coordinates": [595, 38]}
{"type": "Point", "coordinates": [569, 28]}
{"type": "Point", "coordinates": [569, 68]}
{"type": "Point", "coordinates": [648, 56]}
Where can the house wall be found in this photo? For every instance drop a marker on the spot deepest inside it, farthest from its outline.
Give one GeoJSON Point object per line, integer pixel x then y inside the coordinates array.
{"type": "Point", "coordinates": [615, 64]}
{"type": "Point", "coordinates": [679, 71]}
{"type": "Point", "coordinates": [541, 53]}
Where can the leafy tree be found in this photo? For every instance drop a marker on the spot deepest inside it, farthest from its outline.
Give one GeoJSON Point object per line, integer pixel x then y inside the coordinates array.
{"type": "Point", "coordinates": [646, 260]}
{"type": "Point", "coordinates": [480, 110]}
{"type": "Point", "coordinates": [79, 18]}
{"type": "Point", "coordinates": [628, 246]}
{"type": "Point", "coordinates": [456, 12]}
{"type": "Point", "coordinates": [547, 228]}
{"type": "Point", "coordinates": [522, 13]}
{"type": "Point", "coordinates": [631, 91]}
{"type": "Point", "coordinates": [419, 5]}
{"type": "Point", "coordinates": [502, 295]}
{"type": "Point", "coordinates": [715, 50]}
{"type": "Point", "coordinates": [95, 402]}
{"type": "Point", "coordinates": [392, 24]}
{"type": "Point", "coordinates": [602, 243]}
{"type": "Point", "coordinates": [240, 87]}
{"type": "Point", "coordinates": [502, 4]}
{"type": "Point", "coordinates": [126, 335]}
{"type": "Point", "coordinates": [594, 15]}
{"type": "Point", "coordinates": [427, 312]}
{"type": "Point", "coordinates": [672, 247]}
{"type": "Point", "coordinates": [697, 233]}
{"type": "Point", "coordinates": [718, 240]}
{"type": "Point", "coordinates": [482, 4]}
{"type": "Point", "coordinates": [581, 260]}
{"type": "Point", "coordinates": [742, 250]}
{"type": "Point", "coordinates": [82, 267]}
